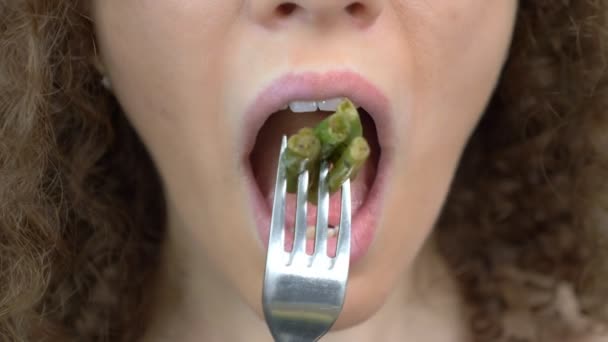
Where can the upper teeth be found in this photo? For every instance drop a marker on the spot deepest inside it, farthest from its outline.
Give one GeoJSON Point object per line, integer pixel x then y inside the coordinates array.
{"type": "Point", "coordinates": [328, 105]}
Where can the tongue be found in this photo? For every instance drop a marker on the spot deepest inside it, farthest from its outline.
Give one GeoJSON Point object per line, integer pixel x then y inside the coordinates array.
{"type": "Point", "coordinates": [265, 155]}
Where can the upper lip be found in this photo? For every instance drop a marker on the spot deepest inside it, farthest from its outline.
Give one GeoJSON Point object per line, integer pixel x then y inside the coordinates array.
{"type": "Point", "coordinates": [311, 86]}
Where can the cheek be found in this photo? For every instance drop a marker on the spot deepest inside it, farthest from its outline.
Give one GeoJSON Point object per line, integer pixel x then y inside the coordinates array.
{"type": "Point", "coordinates": [166, 69]}
{"type": "Point", "coordinates": [457, 68]}
{"type": "Point", "coordinates": [458, 52]}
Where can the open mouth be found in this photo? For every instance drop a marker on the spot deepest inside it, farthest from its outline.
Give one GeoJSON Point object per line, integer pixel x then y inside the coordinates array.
{"type": "Point", "coordinates": [292, 110]}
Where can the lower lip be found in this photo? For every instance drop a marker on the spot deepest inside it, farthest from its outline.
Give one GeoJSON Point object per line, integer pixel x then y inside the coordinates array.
{"type": "Point", "coordinates": [364, 222]}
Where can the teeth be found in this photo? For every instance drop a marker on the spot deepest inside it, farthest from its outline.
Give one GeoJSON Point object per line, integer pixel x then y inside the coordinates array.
{"type": "Point", "coordinates": [311, 232]}
{"type": "Point", "coordinates": [332, 232]}
{"type": "Point", "coordinates": [329, 105]}
{"type": "Point", "coordinates": [303, 106]}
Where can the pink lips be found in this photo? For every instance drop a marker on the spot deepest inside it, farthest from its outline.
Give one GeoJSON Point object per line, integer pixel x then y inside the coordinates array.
{"type": "Point", "coordinates": [316, 86]}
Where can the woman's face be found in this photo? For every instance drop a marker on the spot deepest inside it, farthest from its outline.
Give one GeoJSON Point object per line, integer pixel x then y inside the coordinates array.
{"type": "Point", "coordinates": [198, 80]}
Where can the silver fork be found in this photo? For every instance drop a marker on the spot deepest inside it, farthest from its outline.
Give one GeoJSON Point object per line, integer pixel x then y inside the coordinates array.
{"type": "Point", "coordinates": [303, 294]}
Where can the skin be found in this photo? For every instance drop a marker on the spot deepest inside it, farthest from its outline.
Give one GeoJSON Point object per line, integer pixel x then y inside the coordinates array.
{"type": "Point", "coordinates": [184, 72]}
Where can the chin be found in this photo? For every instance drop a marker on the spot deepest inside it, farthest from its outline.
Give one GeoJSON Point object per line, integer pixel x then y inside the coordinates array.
{"type": "Point", "coordinates": [360, 305]}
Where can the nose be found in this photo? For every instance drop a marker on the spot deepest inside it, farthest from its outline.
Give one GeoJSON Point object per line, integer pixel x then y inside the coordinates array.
{"type": "Point", "coordinates": [270, 13]}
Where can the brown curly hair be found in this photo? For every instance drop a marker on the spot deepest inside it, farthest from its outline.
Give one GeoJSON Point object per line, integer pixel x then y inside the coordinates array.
{"type": "Point", "coordinates": [82, 212]}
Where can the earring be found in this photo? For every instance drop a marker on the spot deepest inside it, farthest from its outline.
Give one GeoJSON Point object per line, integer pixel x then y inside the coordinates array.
{"type": "Point", "coordinates": [105, 82]}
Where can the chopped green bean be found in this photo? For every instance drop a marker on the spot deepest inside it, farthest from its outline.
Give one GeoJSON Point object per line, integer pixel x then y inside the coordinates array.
{"type": "Point", "coordinates": [313, 182]}
{"type": "Point", "coordinates": [333, 132]}
{"type": "Point", "coordinates": [350, 111]}
{"type": "Point", "coordinates": [302, 152]}
{"type": "Point", "coordinates": [337, 139]}
{"type": "Point", "coordinates": [349, 163]}
{"type": "Point", "coordinates": [347, 110]}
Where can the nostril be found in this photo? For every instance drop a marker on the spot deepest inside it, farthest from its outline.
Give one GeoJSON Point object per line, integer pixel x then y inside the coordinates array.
{"type": "Point", "coordinates": [286, 9]}
{"type": "Point", "coordinates": [356, 9]}
{"type": "Point", "coordinates": [274, 14]}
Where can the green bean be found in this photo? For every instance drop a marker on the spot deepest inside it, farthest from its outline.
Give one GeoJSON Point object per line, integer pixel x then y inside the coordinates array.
{"type": "Point", "coordinates": [347, 110]}
{"type": "Point", "coordinates": [333, 132]}
{"type": "Point", "coordinates": [302, 152]}
{"type": "Point", "coordinates": [337, 139]}
{"type": "Point", "coordinates": [349, 163]}
{"type": "Point", "coordinates": [313, 182]}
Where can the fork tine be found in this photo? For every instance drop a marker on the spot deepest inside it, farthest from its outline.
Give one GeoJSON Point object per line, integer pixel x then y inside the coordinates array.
{"type": "Point", "coordinates": [322, 213]}
{"type": "Point", "coordinates": [299, 242]}
{"type": "Point", "coordinates": [343, 247]}
{"type": "Point", "coordinates": [277, 221]}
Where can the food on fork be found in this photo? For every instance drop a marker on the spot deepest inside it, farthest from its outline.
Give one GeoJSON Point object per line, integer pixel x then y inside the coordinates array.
{"type": "Point", "coordinates": [301, 154]}
{"type": "Point", "coordinates": [337, 139]}
{"type": "Point", "coordinates": [333, 132]}
{"type": "Point", "coordinates": [349, 163]}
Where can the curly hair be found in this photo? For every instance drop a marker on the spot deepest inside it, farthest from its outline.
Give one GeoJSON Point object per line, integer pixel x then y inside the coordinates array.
{"type": "Point", "coordinates": [82, 210]}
